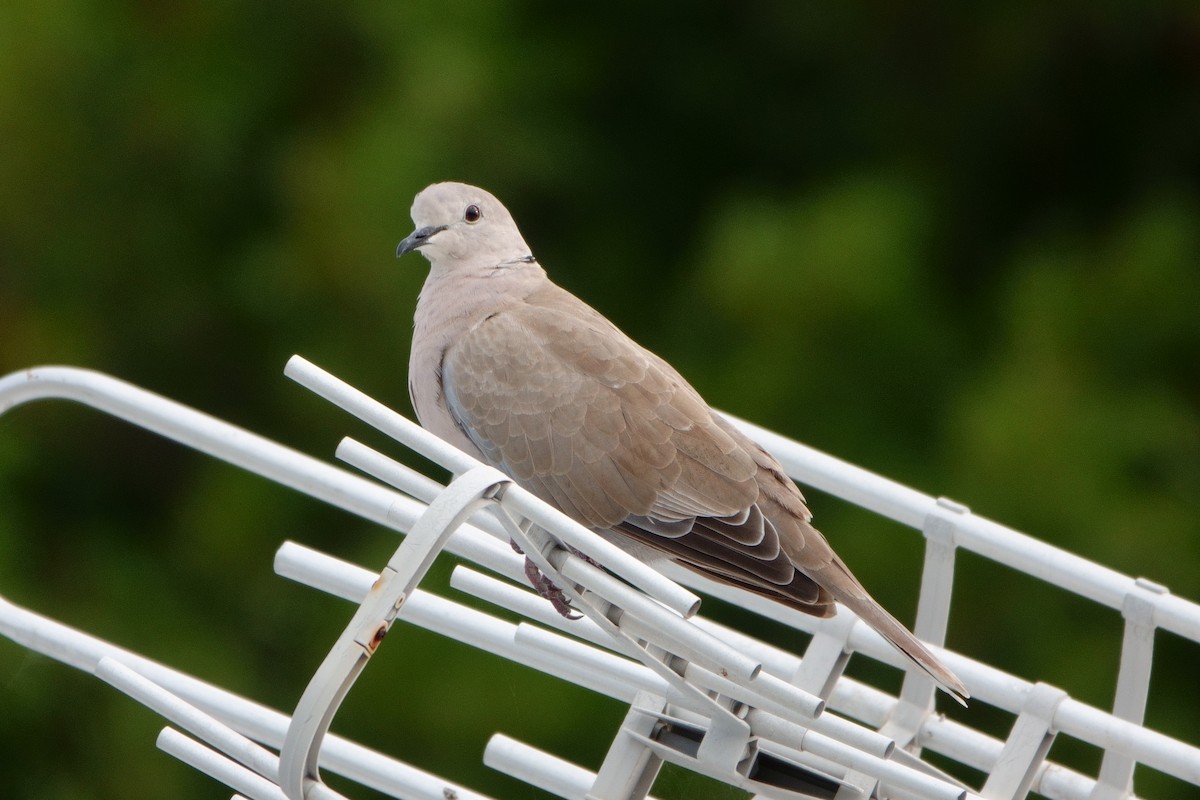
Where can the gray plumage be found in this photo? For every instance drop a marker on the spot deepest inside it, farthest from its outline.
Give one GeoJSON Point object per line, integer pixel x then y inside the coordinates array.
{"type": "Point", "coordinates": [525, 376]}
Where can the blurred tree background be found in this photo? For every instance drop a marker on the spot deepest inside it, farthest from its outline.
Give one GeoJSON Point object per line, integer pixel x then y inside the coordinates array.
{"type": "Point", "coordinates": [958, 245]}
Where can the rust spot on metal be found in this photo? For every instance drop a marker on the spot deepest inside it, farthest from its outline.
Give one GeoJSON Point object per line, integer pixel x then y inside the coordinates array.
{"type": "Point", "coordinates": [377, 639]}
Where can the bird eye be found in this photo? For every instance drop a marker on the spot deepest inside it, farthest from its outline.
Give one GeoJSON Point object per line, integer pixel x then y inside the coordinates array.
{"type": "Point", "coordinates": [473, 214]}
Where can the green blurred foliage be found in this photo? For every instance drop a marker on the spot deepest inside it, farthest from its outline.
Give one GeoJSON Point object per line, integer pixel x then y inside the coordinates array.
{"type": "Point", "coordinates": [957, 245]}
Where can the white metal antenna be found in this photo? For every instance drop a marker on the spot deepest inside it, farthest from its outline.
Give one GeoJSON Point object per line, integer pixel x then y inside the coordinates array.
{"type": "Point", "coordinates": [699, 695]}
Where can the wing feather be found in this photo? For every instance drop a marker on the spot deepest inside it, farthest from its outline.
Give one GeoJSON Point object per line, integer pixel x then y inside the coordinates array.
{"type": "Point", "coordinates": [556, 396]}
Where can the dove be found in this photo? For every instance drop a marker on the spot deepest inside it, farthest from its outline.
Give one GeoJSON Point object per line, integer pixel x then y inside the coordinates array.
{"type": "Point", "coordinates": [521, 374]}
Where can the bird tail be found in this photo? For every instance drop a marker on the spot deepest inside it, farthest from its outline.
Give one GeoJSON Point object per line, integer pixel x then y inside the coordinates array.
{"type": "Point", "coordinates": [850, 593]}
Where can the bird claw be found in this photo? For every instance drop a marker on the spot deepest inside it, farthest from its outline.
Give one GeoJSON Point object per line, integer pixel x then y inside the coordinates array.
{"type": "Point", "coordinates": [547, 588]}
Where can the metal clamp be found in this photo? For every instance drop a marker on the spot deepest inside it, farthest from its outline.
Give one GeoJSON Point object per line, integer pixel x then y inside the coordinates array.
{"type": "Point", "coordinates": [298, 760]}
{"type": "Point", "coordinates": [1027, 745]}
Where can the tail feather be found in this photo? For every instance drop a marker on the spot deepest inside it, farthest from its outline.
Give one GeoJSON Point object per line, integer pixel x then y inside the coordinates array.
{"type": "Point", "coordinates": [811, 554]}
{"type": "Point", "coordinates": [850, 593]}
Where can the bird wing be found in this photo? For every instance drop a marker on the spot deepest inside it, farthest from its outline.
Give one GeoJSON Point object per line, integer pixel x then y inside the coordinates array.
{"type": "Point", "coordinates": [560, 399]}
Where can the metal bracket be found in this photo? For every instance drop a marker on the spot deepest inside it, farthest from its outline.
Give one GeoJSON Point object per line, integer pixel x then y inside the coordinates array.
{"type": "Point", "coordinates": [826, 656]}
{"type": "Point", "coordinates": [918, 693]}
{"type": "Point", "coordinates": [1027, 745]}
{"type": "Point", "coordinates": [1115, 779]}
{"type": "Point", "coordinates": [298, 760]}
{"type": "Point", "coordinates": [630, 767]}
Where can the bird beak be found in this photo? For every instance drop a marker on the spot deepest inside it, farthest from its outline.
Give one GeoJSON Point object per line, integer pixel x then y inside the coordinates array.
{"type": "Point", "coordinates": [417, 238]}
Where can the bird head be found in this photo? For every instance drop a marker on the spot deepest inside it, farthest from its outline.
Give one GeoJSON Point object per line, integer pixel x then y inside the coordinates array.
{"type": "Point", "coordinates": [460, 226]}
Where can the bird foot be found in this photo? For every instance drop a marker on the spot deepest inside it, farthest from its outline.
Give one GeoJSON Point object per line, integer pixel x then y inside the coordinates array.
{"type": "Point", "coordinates": [546, 587]}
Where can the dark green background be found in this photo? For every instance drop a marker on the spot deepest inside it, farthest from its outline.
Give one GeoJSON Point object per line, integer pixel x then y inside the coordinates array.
{"type": "Point", "coordinates": [959, 246]}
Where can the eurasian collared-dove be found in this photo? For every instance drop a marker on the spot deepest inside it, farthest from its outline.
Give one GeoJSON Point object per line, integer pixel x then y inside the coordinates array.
{"type": "Point", "coordinates": [525, 376]}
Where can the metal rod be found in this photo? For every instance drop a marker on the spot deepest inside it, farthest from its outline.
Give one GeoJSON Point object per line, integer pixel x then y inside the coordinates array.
{"type": "Point", "coordinates": [268, 726]}
{"type": "Point", "coordinates": [204, 433]}
{"type": "Point", "coordinates": [215, 765]}
{"type": "Point", "coordinates": [993, 540]}
{"type": "Point", "coordinates": [1080, 721]}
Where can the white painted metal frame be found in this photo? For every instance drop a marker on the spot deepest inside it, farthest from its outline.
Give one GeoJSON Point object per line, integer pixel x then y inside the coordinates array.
{"type": "Point", "coordinates": [702, 696]}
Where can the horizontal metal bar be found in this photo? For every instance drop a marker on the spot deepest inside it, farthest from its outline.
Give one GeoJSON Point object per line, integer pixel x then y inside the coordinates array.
{"type": "Point", "coordinates": [377, 415]}
{"type": "Point", "coordinates": [991, 539]}
{"type": "Point", "coordinates": [1120, 734]}
{"type": "Point", "coordinates": [268, 726]}
{"type": "Point", "coordinates": [538, 768]}
{"type": "Point", "coordinates": [599, 670]}
{"type": "Point", "coordinates": [215, 765]}
{"type": "Point", "coordinates": [193, 720]}
{"type": "Point", "coordinates": [204, 433]}
{"type": "Point", "coordinates": [614, 559]}
{"type": "Point", "coordinates": [643, 618]}
{"type": "Point", "coordinates": [997, 688]}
